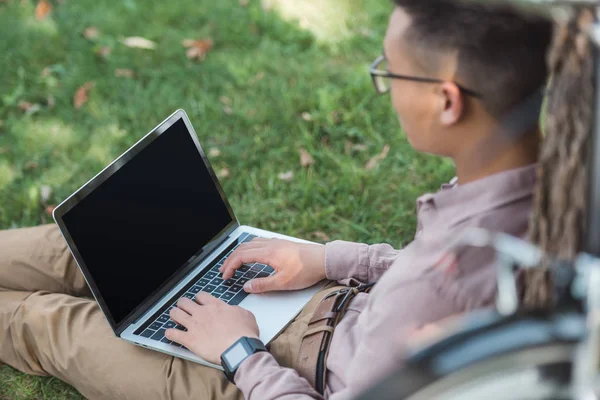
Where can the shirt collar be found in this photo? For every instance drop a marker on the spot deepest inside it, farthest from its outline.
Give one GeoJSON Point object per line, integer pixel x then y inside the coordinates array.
{"type": "Point", "coordinates": [454, 203]}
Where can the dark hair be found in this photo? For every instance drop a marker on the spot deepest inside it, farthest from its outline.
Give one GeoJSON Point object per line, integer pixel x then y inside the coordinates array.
{"type": "Point", "coordinates": [501, 52]}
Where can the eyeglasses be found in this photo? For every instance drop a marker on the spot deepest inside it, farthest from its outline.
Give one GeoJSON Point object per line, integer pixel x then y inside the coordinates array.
{"type": "Point", "coordinates": [382, 78]}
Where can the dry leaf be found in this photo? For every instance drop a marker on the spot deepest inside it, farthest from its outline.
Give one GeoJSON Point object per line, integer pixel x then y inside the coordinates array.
{"type": "Point", "coordinates": [348, 147]}
{"type": "Point", "coordinates": [225, 100]}
{"type": "Point", "coordinates": [322, 236]}
{"type": "Point", "coordinates": [137, 42]}
{"type": "Point", "coordinates": [46, 72]}
{"type": "Point", "coordinates": [214, 152]}
{"type": "Point", "coordinates": [50, 101]}
{"type": "Point", "coordinates": [224, 173]}
{"type": "Point", "coordinates": [25, 105]}
{"type": "Point", "coordinates": [30, 165]}
{"type": "Point", "coordinates": [123, 73]}
{"type": "Point", "coordinates": [29, 108]}
{"type": "Point", "coordinates": [50, 209]}
{"type": "Point", "coordinates": [103, 52]}
{"type": "Point", "coordinates": [325, 141]}
{"type": "Point", "coordinates": [45, 193]}
{"type": "Point", "coordinates": [306, 116]}
{"type": "Point", "coordinates": [81, 95]}
{"type": "Point", "coordinates": [42, 9]}
{"type": "Point", "coordinates": [227, 110]}
{"type": "Point", "coordinates": [256, 78]}
{"type": "Point", "coordinates": [305, 158]}
{"type": "Point", "coordinates": [286, 176]}
{"type": "Point", "coordinates": [336, 116]}
{"type": "Point", "coordinates": [244, 3]}
{"type": "Point", "coordinates": [197, 49]}
{"type": "Point", "coordinates": [91, 33]}
{"type": "Point", "coordinates": [379, 157]}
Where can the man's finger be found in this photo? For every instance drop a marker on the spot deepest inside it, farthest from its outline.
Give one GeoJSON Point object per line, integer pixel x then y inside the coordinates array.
{"type": "Point", "coordinates": [180, 316]}
{"type": "Point", "coordinates": [187, 305]}
{"type": "Point", "coordinates": [260, 285]}
{"type": "Point", "coordinates": [243, 247]}
{"type": "Point", "coordinates": [176, 335]}
{"type": "Point", "coordinates": [204, 298]}
{"type": "Point", "coordinates": [242, 257]}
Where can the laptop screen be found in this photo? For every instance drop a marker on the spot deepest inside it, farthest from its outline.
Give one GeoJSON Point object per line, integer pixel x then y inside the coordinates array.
{"type": "Point", "coordinates": [144, 223]}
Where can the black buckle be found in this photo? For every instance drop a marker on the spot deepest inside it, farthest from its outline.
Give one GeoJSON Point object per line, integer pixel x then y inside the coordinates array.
{"type": "Point", "coordinates": [347, 296]}
{"type": "Point", "coordinates": [349, 293]}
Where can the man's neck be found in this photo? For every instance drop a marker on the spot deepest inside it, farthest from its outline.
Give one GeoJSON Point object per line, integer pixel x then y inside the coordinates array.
{"type": "Point", "coordinates": [481, 160]}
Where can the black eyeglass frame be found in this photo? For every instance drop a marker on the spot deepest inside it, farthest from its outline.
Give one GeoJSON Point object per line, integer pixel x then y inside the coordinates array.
{"type": "Point", "coordinates": [386, 74]}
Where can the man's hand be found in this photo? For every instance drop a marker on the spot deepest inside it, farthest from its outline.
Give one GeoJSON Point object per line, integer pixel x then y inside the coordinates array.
{"type": "Point", "coordinates": [297, 265]}
{"type": "Point", "coordinates": [212, 325]}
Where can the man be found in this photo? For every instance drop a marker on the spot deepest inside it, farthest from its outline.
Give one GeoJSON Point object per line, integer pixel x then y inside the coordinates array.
{"type": "Point", "coordinates": [455, 71]}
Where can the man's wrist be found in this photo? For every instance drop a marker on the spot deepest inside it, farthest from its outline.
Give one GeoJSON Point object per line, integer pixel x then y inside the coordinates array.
{"type": "Point", "coordinates": [238, 352]}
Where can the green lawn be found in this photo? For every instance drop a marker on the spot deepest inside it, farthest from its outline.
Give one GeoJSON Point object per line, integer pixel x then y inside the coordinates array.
{"type": "Point", "coordinates": [279, 78]}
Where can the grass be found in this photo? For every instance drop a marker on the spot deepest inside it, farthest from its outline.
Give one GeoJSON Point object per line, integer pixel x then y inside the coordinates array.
{"type": "Point", "coordinates": [275, 82]}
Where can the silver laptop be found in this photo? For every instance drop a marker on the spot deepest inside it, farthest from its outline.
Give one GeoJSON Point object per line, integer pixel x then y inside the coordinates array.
{"type": "Point", "coordinates": [155, 226]}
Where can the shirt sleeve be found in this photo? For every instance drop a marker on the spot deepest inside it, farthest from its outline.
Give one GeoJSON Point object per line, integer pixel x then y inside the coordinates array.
{"type": "Point", "coordinates": [362, 262]}
{"type": "Point", "coordinates": [260, 377]}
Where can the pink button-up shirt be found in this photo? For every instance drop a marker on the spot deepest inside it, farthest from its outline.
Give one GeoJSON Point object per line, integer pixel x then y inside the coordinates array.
{"type": "Point", "coordinates": [415, 286]}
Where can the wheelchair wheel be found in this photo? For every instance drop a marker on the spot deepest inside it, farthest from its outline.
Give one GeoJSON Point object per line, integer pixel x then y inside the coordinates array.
{"type": "Point", "coordinates": [520, 357]}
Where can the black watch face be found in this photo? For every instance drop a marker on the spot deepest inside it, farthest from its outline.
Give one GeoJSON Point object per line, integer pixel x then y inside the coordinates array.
{"type": "Point", "coordinates": [235, 356]}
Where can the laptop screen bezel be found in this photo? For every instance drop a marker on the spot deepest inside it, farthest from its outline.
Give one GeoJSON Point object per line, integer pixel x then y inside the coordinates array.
{"type": "Point", "coordinates": [105, 174]}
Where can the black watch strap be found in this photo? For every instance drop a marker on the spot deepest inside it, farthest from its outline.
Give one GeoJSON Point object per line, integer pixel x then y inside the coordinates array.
{"type": "Point", "coordinates": [237, 353]}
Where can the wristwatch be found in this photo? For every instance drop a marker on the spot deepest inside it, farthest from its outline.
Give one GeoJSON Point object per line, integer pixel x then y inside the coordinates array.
{"type": "Point", "coordinates": [238, 352]}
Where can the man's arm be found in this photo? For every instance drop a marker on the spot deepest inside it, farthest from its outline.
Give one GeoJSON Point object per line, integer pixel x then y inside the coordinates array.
{"type": "Point", "coordinates": [365, 263]}
{"type": "Point", "coordinates": [389, 322]}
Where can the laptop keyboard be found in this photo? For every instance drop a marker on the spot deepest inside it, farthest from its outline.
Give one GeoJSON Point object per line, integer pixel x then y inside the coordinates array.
{"type": "Point", "coordinates": [230, 291]}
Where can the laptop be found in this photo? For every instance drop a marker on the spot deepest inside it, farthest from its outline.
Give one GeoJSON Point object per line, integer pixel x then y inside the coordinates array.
{"type": "Point", "coordinates": [154, 226]}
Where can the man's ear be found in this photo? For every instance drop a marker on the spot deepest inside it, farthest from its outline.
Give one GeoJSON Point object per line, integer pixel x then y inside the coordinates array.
{"type": "Point", "coordinates": [453, 104]}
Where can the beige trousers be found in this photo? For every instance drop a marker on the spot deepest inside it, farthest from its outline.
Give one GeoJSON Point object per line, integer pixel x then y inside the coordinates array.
{"type": "Point", "coordinates": [50, 325]}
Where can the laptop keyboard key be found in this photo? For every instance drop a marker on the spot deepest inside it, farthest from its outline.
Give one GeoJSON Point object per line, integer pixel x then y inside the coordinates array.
{"type": "Point", "coordinates": [190, 296]}
{"type": "Point", "coordinates": [163, 318]}
{"type": "Point", "coordinates": [262, 274]}
{"type": "Point", "coordinates": [256, 268]}
{"type": "Point", "coordinates": [159, 334]}
{"type": "Point", "coordinates": [155, 326]}
{"type": "Point", "coordinates": [210, 275]}
{"type": "Point", "coordinates": [238, 298]}
{"type": "Point", "coordinates": [235, 288]}
{"type": "Point", "coordinates": [170, 324]}
{"type": "Point", "coordinates": [216, 281]}
{"type": "Point", "coordinates": [148, 333]}
{"type": "Point", "coordinates": [180, 327]}
{"type": "Point", "coordinates": [220, 289]}
{"type": "Point", "coordinates": [203, 282]}
{"type": "Point", "coordinates": [237, 274]}
{"type": "Point", "coordinates": [195, 289]}
{"type": "Point", "coordinates": [229, 282]}
{"type": "Point", "coordinates": [241, 281]}
{"type": "Point", "coordinates": [250, 274]}
{"type": "Point", "coordinates": [268, 269]}
{"type": "Point", "coordinates": [209, 288]}
{"type": "Point", "coordinates": [243, 268]}
{"type": "Point", "coordinates": [227, 296]}
{"type": "Point", "coordinates": [165, 340]}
